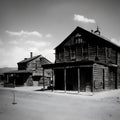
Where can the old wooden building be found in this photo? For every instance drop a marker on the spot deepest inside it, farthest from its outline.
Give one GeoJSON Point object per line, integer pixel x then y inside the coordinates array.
{"type": "Point", "coordinates": [86, 61]}
{"type": "Point", "coordinates": [29, 70]}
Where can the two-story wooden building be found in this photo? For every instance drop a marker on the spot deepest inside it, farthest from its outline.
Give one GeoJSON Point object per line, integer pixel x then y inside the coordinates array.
{"type": "Point", "coordinates": [29, 70]}
{"type": "Point", "coordinates": [86, 61]}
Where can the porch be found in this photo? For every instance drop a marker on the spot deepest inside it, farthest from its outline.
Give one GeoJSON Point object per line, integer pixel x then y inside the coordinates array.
{"type": "Point", "coordinates": [73, 76]}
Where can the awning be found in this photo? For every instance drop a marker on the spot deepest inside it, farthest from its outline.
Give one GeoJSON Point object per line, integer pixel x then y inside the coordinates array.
{"type": "Point", "coordinates": [18, 72]}
{"type": "Point", "coordinates": [75, 64]}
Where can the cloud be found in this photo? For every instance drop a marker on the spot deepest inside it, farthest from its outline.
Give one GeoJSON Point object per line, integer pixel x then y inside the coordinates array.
{"type": "Point", "coordinates": [14, 42]}
{"type": "Point", "coordinates": [37, 43]}
{"type": "Point", "coordinates": [81, 18]}
{"type": "Point", "coordinates": [1, 42]}
{"type": "Point", "coordinates": [27, 39]}
{"type": "Point", "coordinates": [116, 41]}
{"type": "Point", "coordinates": [48, 35]}
{"type": "Point", "coordinates": [24, 33]}
{"type": "Point", "coordinates": [18, 45]}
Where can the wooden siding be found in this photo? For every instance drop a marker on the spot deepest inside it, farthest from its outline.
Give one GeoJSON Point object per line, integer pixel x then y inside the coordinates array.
{"type": "Point", "coordinates": [82, 45]}
{"type": "Point", "coordinates": [82, 50]}
{"type": "Point", "coordinates": [92, 52]}
{"type": "Point", "coordinates": [104, 77]}
{"type": "Point", "coordinates": [100, 77]}
{"type": "Point", "coordinates": [22, 66]}
{"type": "Point", "coordinates": [101, 54]}
{"type": "Point", "coordinates": [34, 64]}
{"type": "Point", "coordinates": [118, 58]}
{"type": "Point", "coordinates": [66, 54]}
{"type": "Point", "coordinates": [78, 53]}
{"type": "Point", "coordinates": [118, 77]}
{"type": "Point", "coordinates": [113, 56]}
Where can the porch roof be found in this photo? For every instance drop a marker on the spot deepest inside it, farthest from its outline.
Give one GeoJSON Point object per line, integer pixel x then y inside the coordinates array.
{"type": "Point", "coordinates": [72, 64]}
{"type": "Point", "coordinates": [18, 72]}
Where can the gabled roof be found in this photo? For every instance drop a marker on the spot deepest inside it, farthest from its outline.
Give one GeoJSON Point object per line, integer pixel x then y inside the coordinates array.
{"type": "Point", "coordinates": [26, 60]}
{"type": "Point", "coordinates": [80, 30]}
{"type": "Point", "coordinates": [35, 57]}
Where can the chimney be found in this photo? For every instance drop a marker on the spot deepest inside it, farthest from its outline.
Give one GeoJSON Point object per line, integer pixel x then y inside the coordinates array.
{"type": "Point", "coordinates": [31, 54]}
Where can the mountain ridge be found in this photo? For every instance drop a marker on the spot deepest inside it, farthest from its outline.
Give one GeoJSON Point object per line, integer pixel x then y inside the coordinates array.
{"type": "Point", "coordinates": [7, 69]}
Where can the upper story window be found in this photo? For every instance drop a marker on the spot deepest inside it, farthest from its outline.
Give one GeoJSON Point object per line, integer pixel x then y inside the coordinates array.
{"type": "Point", "coordinates": [79, 39]}
{"type": "Point", "coordinates": [108, 52]}
{"type": "Point", "coordinates": [72, 53]}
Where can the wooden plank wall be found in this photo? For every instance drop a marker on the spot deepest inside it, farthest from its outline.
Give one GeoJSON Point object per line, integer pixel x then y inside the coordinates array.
{"type": "Point", "coordinates": [34, 64]}
{"type": "Point", "coordinates": [78, 53]}
{"type": "Point", "coordinates": [99, 84]}
{"type": "Point", "coordinates": [113, 56]}
{"type": "Point", "coordinates": [89, 51]}
{"type": "Point", "coordinates": [118, 75]}
{"type": "Point", "coordinates": [101, 54]}
{"type": "Point", "coordinates": [66, 54]}
{"type": "Point", "coordinates": [104, 77]}
{"type": "Point", "coordinates": [92, 52]}
{"type": "Point", "coordinates": [118, 58]}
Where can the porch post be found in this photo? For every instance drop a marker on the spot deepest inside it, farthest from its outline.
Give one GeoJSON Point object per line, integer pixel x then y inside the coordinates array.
{"type": "Point", "coordinates": [65, 79]}
{"type": "Point", "coordinates": [43, 80]}
{"type": "Point", "coordinates": [116, 87]}
{"type": "Point", "coordinates": [78, 80]}
{"type": "Point", "coordinates": [103, 79]}
{"type": "Point", "coordinates": [7, 78]}
{"type": "Point", "coordinates": [92, 81]}
{"type": "Point", "coordinates": [52, 79]}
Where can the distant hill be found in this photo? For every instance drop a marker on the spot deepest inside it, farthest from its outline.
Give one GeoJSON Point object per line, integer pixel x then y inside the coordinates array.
{"type": "Point", "coordinates": [7, 69]}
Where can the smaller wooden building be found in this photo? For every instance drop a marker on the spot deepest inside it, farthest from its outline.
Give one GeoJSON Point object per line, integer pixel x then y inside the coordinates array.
{"type": "Point", "coordinates": [86, 61]}
{"type": "Point", "coordinates": [29, 70]}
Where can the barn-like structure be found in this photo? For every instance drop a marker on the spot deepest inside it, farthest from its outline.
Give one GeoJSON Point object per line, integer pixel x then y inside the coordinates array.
{"type": "Point", "coordinates": [29, 70]}
{"type": "Point", "coordinates": [86, 61]}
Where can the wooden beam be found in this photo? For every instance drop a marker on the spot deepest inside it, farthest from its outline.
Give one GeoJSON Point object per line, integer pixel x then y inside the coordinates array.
{"type": "Point", "coordinates": [117, 79]}
{"type": "Point", "coordinates": [106, 55]}
{"type": "Point", "coordinates": [43, 80]}
{"type": "Point", "coordinates": [65, 79]}
{"type": "Point", "coordinates": [53, 81]}
{"type": "Point", "coordinates": [7, 78]}
{"type": "Point", "coordinates": [92, 80]}
{"type": "Point", "coordinates": [78, 80]}
{"type": "Point", "coordinates": [64, 54]}
{"type": "Point", "coordinates": [103, 79]}
{"type": "Point", "coordinates": [81, 66]}
{"type": "Point", "coordinates": [116, 57]}
{"type": "Point", "coordinates": [88, 51]}
{"type": "Point", "coordinates": [82, 51]}
{"type": "Point", "coordinates": [73, 66]}
{"type": "Point", "coordinates": [97, 51]}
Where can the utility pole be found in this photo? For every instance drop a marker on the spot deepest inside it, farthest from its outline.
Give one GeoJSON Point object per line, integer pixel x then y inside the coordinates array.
{"type": "Point", "coordinates": [14, 101]}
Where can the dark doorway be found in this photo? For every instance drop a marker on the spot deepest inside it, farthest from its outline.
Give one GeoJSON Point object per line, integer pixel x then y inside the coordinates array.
{"type": "Point", "coordinates": [71, 79]}
{"type": "Point", "coordinates": [85, 79]}
{"type": "Point", "coordinates": [113, 78]}
{"type": "Point", "coordinates": [59, 79]}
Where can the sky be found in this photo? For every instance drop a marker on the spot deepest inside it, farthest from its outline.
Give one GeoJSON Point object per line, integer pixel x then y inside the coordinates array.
{"type": "Point", "coordinates": [38, 26]}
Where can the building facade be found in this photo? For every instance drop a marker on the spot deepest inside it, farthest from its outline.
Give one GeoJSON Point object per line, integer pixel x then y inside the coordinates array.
{"type": "Point", "coordinates": [29, 70]}
{"type": "Point", "coordinates": [86, 61]}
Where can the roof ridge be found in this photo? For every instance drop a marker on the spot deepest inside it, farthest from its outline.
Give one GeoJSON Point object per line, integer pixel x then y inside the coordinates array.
{"type": "Point", "coordinates": [78, 27]}
{"type": "Point", "coordinates": [28, 59]}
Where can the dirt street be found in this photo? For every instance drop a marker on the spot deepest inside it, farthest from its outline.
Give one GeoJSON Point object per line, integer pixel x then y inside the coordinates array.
{"type": "Point", "coordinates": [40, 105]}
